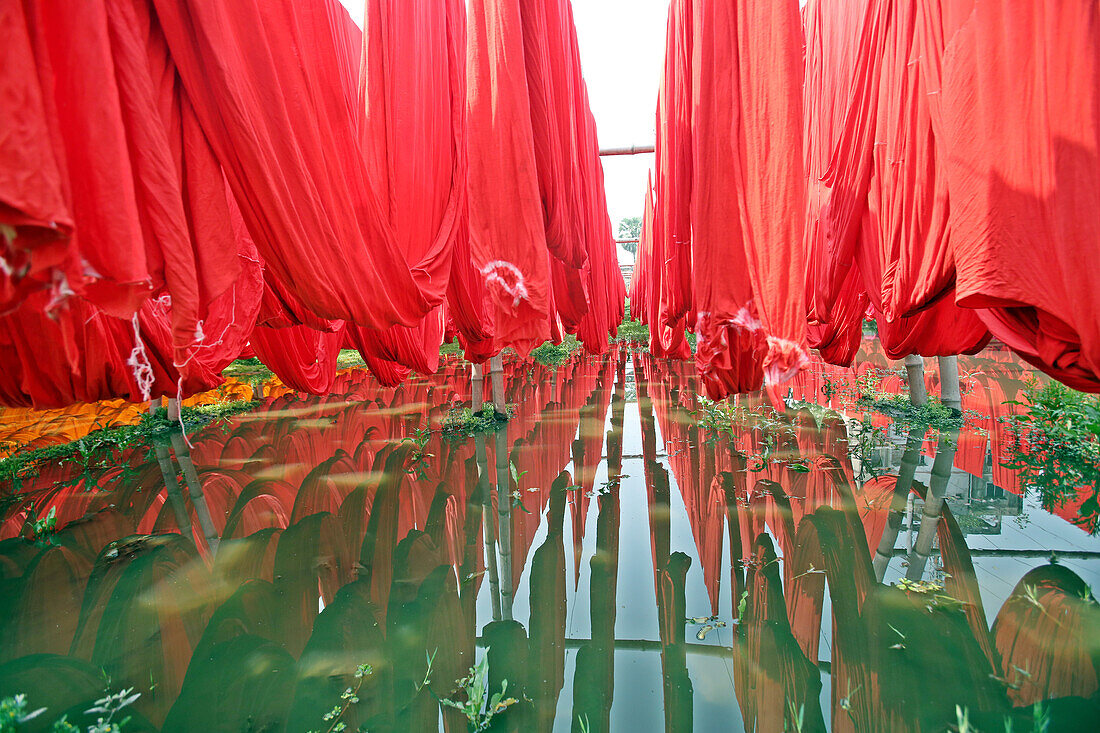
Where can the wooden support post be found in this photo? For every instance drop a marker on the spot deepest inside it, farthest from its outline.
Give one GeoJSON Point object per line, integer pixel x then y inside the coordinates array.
{"type": "Point", "coordinates": [933, 504]}
{"type": "Point", "coordinates": [906, 474]}
{"type": "Point", "coordinates": [477, 387]}
{"type": "Point", "coordinates": [487, 521]}
{"type": "Point", "coordinates": [496, 371]}
{"type": "Point", "coordinates": [950, 390]}
{"type": "Point", "coordinates": [171, 484]}
{"type": "Point", "coordinates": [914, 366]}
{"type": "Point", "coordinates": [504, 519]}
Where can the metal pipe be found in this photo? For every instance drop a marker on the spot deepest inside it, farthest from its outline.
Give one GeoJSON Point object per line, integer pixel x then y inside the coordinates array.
{"type": "Point", "coordinates": [629, 150]}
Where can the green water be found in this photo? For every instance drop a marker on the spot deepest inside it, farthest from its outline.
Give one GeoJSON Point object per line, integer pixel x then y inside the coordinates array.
{"type": "Point", "coordinates": [640, 571]}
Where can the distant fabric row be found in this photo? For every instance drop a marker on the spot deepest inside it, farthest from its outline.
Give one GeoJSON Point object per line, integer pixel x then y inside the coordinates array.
{"type": "Point", "coordinates": [182, 178]}
{"type": "Point", "coordinates": [945, 153]}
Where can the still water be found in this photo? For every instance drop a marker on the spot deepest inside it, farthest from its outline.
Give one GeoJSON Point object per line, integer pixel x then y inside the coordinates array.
{"type": "Point", "coordinates": [620, 557]}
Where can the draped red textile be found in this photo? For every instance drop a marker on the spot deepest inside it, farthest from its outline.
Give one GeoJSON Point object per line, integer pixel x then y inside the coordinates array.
{"type": "Point", "coordinates": [672, 187]}
{"type": "Point", "coordinates": [151, 213]}
{"type": "Point", "coordinates": [291, 157]}
{"type": "Point", "coordinates": [1021, 122]}
{"type": "Point", "coordinates": [301, 357]}
{"type": "Point", "coordinates": [507, 234]}
{"type": "Point", "coordinates": [539, 231]}
{"type": "Point", "coordinates": [412, 125]}
{"type": "Point", "coordinates": [881, 207]}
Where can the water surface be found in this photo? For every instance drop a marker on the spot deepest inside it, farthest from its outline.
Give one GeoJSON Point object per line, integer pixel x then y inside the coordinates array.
{"type": "Point", "coordinates": [641, 569]}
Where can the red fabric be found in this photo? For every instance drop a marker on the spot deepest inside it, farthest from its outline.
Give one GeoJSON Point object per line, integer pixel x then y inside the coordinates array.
{"type": "Point", "coordinates": [301, 357]}
{"type": "Point", "coordinates": [412, 124]}
{"type": "Point", "coordinates": [672, 187]}
{"type": "Point", "coordinates": [507, 233]}
{"type": "Point", "coordinates": [1021, 122]}
{"type": "Point", "coordinates": [291, 156]}
{"type": "Point", "coordinates": [881, 207]}
{"type": "Point", "coordinates": [539, 232]}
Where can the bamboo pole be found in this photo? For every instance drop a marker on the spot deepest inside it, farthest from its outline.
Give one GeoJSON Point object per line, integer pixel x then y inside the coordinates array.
{"type": "Point", "coordinates": [490, 534]}
{"type": "Point", "coordinates": [628, 150]}
{"type": "Point", "coordinates": [933, 504]}
{"type": "Point", "coordinates": [950, 391]}
{"type": "Point", "coordinates": [914, 366]}
{"type": "Point", "coordinates": [504, 520]}
{"type": "Point", "coordinates": [477, 387]}
{"type": "Point", "coordinates": [171, 484]}
{"type": "Point", "coordinates": [191, 478]}
{"type": "Point", "coordinates": [496, 371]}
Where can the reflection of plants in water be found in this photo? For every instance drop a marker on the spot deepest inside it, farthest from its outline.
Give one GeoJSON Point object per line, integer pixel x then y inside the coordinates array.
{"type": "Point", "coordinates": [14, 713]}
{"type": "Point", "coordinates": [931, 594]}
{"type": "Point", "coordinates": [724, 417]}
{"type": "Point", "coordinates": [1040, 720]}
{"type": "Point", "coordinates": [348, 697]}
{"type": "Point", "coordinates": [480, 707]}
{"type": "Point", "coordinates": [706, 625]}
{"type": "Point", "coordinates": [1055, 447]}
{"type": "Point", "coordinates": [865, 440]}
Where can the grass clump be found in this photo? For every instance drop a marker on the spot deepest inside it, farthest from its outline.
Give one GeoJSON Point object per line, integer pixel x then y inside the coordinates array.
{"type": "Point", "coordinates": [552, 355]}
{"type": "Point", "coordinates": [632, 332]}
{"type": "Point", "coordinates": [465, 422]}
{"type": "Point", "coordinates": [1056, 447]}
{"type": "Point", "coordinates": [248, 370]}
{"type": "Point", "coordinates": [97, 450]}
{"type": "Point", "coordinates": [898, 408]}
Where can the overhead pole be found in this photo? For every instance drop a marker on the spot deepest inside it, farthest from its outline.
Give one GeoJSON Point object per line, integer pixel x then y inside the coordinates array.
{"type": "Point", "coordinates": [628, 150]}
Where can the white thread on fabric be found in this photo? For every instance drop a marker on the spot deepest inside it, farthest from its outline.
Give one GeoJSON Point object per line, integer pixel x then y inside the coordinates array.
{"type": "Point", "coordinates": [494, 273]}
{"type": "Point", "coordinates": [745, 319]}
{"type": "Point", "coordinates": [179, 411]}
{"type": "Point", "coordinates": [139, 363]}
{"type": "Point", "coordinates": [775, 374]}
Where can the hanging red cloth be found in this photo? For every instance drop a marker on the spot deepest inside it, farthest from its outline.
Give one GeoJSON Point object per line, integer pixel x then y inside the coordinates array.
{"type": "Point", "coordinates": [507, 231]}
{"type": "Point", "coordinates": [272, 88]}
{"type": "Point", "coordinates": [672, 187]}
{"type": "Point", "coordinates": [1021, 124]}
{"type": "Point", "coordinates": [35, 221]}
{"type": "Point", "coordinates": [301, 357]}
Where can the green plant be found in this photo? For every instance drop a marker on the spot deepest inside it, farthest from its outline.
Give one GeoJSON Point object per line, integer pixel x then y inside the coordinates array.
{"type": "Point", "coordinates": [551, 354]}
{"type": "Point", "coordinates": [418, 458]}
{"type": "Point", "coordinates": [14, 713]}
{"type": "Point", "coordinates": [1055, 446]}
{"type": "Point", "coordinates": [464, 422]}
{"type": "Point", "coordinates": [932, 413]}
{"type": "Point", "coordinates": [480, 707]}
{"type": "Point", "coordinates": [99, 449]}
{"type": "Point", "coordinates": [350, 696]}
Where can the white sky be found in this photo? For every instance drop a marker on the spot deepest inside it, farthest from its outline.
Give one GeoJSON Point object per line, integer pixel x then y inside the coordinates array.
{"type": "Point", "coordinates": [622, 48]}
